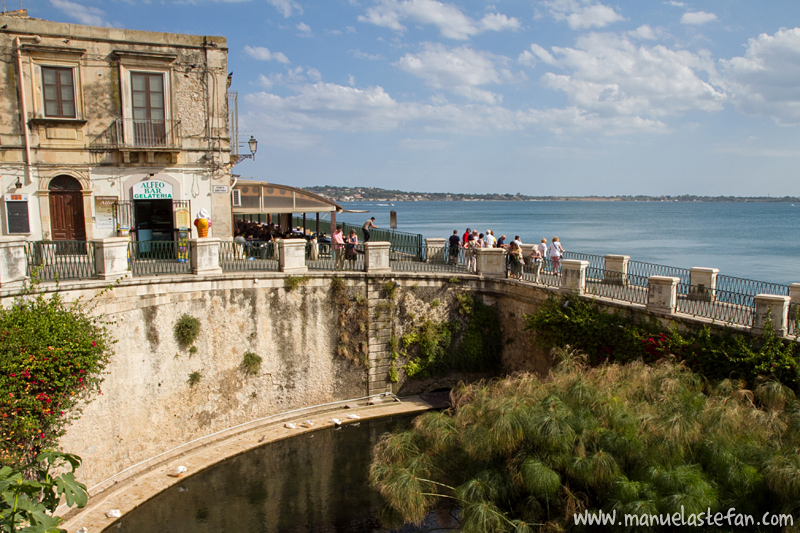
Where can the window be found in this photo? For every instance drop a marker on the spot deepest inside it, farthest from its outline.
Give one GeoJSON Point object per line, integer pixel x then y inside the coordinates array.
{"type": "Point", "coordinates": [147, 96]}
{"type": "Point", "coordinates": [59, 92]}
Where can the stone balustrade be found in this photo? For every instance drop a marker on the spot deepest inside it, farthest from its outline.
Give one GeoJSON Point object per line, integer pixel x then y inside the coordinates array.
{"type": "Point", "coordinates": [664, 293]}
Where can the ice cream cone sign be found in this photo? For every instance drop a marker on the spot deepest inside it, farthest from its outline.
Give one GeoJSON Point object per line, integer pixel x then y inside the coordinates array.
{"type": "Point", "coordinates": [202, 223]}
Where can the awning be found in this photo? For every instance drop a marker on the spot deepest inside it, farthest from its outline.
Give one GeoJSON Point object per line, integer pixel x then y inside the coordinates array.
{"type": "Point", "coordinates": [264, 197]}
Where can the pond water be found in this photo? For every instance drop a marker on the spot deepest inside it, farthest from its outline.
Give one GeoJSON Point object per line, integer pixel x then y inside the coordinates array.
{"type": "Point", "coordinates": [316, 482]}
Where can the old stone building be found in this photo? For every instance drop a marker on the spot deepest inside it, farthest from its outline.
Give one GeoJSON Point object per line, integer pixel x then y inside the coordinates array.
{"type": "Point", "coordinates": [103, 129]}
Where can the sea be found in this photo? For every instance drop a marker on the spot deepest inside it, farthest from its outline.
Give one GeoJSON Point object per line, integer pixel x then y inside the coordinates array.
{"type": "Point", "coordinates": [751, 240]}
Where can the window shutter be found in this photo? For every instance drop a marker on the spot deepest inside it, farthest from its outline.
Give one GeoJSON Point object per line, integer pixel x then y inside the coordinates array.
{"type": "Point", "coordinates": [237, 198]}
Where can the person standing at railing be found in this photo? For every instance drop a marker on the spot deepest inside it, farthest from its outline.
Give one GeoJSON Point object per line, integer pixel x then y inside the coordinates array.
{"type": "Point", "coordinates": [337, 240]}
{"type": "Point", "coordinates": [352, 241]}
{"type": "Point", "coordinates": [515, 260]}
{"type": "Point", "coordinates": [454, 245]}
{"type": "Point", "coordinates": [537, 259]}
{"type": "Point", "coordinates": [471, 253]}
{"type": "Point", "coordinates": [556, 251]}
{"type": "Point", "coordinates": [367, 226]}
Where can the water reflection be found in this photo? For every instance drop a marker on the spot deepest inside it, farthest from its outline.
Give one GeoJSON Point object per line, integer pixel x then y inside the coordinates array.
{"type": "Point", "coordinates": [314, 482]}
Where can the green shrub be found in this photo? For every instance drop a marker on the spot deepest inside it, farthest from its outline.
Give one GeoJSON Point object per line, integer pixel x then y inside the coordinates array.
{"type": "Point", "coordinates": [52, 356]}
{"type": "Point", "coordinates": [623, 337]}
{"type": "Point", "coordinates": [293, 282]}
{"type": "Point", "coordinates": [186, 330]}
{"type": "Point", "coordinates": [251, 363]}
{"type": "Point", "coordinates": [194, 378]}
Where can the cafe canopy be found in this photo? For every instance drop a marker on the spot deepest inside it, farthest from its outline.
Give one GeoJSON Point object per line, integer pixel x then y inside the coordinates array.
{"type": "Point", "coordinates": [257, 197]}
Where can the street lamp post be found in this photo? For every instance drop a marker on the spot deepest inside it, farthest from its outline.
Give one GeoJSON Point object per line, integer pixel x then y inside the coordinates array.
{"type": "Point", "coordinates": [252, 144]}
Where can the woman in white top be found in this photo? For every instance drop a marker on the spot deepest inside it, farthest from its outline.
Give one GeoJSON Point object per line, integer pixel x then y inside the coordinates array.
{"type": "Point", "coordinates": [555, 254]}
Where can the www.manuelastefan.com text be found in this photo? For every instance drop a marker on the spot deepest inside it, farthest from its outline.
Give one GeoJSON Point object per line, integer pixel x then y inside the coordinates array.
{"type": "Point", "coordinates": [729, 518]}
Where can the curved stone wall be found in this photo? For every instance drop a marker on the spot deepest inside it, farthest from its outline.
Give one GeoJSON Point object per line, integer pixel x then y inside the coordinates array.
{"type": "Point", "coordinates": [147, 406]}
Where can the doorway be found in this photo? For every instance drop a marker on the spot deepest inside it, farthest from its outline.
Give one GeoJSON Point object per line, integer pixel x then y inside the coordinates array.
{"type": "Point", "coordinates": [153, 220]}
{"type": "Point", "coordinates": [67, 222]}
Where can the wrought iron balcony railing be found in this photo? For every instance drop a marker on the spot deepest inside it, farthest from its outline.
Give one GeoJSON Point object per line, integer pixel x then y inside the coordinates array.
{"type": "Point", "coordinates": [147, 134]}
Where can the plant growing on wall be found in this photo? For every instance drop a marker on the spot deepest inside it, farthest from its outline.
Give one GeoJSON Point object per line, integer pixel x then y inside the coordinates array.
{"type": "Point", "coordinates": [30, 494]}
{"type": "Point", "coordinates": [186, 330]}
{"type": "Point", "coordinates": [293, 282]}
{"type": "Point", "coordinates": [194, 378]}
{"type": "Point", "coordinates": [471, 344]}
{"type": "Point", "coordinates": [350, 313]}
{"type": "Point", "coordinates": [52, 355]}
{"type": "Point", "coordinates": [251, 363]}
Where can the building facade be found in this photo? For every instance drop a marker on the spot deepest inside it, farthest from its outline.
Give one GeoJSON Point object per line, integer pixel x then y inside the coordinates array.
{"type": "Point", "coordinates": [105, 129]}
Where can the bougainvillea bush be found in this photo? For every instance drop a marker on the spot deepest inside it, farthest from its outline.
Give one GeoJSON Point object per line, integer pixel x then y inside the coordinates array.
{"type": "Point", "coordinates": [52, 356]}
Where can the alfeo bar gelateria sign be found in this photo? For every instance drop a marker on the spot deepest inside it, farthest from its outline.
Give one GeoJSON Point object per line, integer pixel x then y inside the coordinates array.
{"type": "Point", "coordinates": [152, 190]}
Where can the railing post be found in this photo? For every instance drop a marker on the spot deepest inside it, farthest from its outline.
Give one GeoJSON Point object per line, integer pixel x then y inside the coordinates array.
{"type": "Point", "coordinates": [662, 294]}
{"type": "Point", "coordinates": [111, 257]}
{"type": "Point", "coordinates": [205, 255]}
{"type": "Point", "coordinates": [292, 256]}
{"type": "Point", "coordinates": [573, 276]}
{"type": "Point", "coordinates": [13, 263]}
{"type": "Point", "coordinates": [704, 283]}
{"type": "Point", "coordinates": [794, 293]}
{"type": "Point", "coordinates": [492, 262]}
{"type": "Point", "coordinates": [616, 269]}
{"type": "Point", "coordinates": [376, 256]}
{"type": "Point", "coordinates": [774, 307]}
{"type": "Point", "coordinates": [435, 252]}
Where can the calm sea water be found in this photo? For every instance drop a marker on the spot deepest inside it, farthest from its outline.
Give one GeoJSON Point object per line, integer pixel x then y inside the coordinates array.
{"type": "Point", "coordinates": [758, 241]}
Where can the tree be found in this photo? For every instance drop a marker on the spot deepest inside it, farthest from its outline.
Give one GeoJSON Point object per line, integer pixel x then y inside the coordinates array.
{"type": "Point", "coordinates": [528, 453]}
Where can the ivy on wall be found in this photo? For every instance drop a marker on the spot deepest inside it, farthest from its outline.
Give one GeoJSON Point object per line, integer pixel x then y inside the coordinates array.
{"type": "Point", "coordinates": [350, 313]}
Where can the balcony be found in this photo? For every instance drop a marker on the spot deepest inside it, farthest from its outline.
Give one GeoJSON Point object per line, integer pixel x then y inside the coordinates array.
{"type": "Point", "coordinates": [146, 137]}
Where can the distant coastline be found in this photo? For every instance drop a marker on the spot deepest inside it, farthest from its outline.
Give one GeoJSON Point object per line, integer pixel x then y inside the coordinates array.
{"type": "Point", "coordinates": [374, 194]}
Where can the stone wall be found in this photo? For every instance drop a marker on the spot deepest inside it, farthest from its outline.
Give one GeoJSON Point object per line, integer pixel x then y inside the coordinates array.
{"type": "Point", "coordinates": [147, 406]}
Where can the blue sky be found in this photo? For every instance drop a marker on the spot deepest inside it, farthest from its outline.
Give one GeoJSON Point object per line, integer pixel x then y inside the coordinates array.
{"type": "Point", "coordinates": [541, 97]}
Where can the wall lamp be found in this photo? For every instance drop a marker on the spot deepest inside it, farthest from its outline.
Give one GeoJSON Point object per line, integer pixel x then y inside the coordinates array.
{"type": "Point", "coordinates": [18, 184]}
{"type": "Point", "coordinates": [252, 144]}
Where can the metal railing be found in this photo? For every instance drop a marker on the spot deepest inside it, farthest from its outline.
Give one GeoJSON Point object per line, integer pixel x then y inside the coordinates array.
{"type": "Point", "coordinates": [424, 259]}
{"type": "Point", "coordinates": [645, 270]}
{"type": "Point", "coordinates": [397, 238]}
{"type": "Point", "coordinates": [153, 258]}
{"type": "Point", "coordinates": [595, 261]}
{"type": "Point", "coordinates": [723, 306]}
{"type": "Point", "coordinates": [135, 133]}
{"type": "Point", "coordinates": [612, 284]}
{"type": "Point", "coordinates": [60, 260]}
{"type": "Point", "coordinates": [730, 285]}
{"type": "Point", "coordinates": [251, 255]}
{"type": "Point", "coordinates": [339, 257]}
{"type": "Point", "coordinates": [540, 273]}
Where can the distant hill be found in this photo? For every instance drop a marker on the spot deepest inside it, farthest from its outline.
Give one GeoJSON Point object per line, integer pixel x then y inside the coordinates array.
{"type": "Point", "coordinates": [374, 194]}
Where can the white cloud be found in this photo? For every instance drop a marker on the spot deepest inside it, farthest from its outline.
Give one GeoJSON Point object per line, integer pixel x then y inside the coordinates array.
{"type": "Point", "coordinates": [644, 32]}
{"type": "Point", "coordinates": [536, 54]}
{"type": "Point", "coordinates": [263, 54]}
{"type": "Point", "coordinates": [452, 23]}
{"type": "Point", "coordinates": [675, 3]}
{"type": "Point", "coordinates": [697, 18]}
{"type": "Point", "coordinates": [571, 119]}
{"type": "Point", "coordinates": [582, 14]}
{"type": "Point", "coordinates": [610, 75]}
{"type": "Point", "coordinates": [460, 70]}
{"type": "Point", "coordinates": [90, 16]}
{"type": "Point", "coordinates": [305, 29]}
{"type": "Point", "coordinates": [287, 8]}
{"type": "Point", "coordinates": [363, 55]}
{"type": "Point", "coordinates": [764, 81]}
